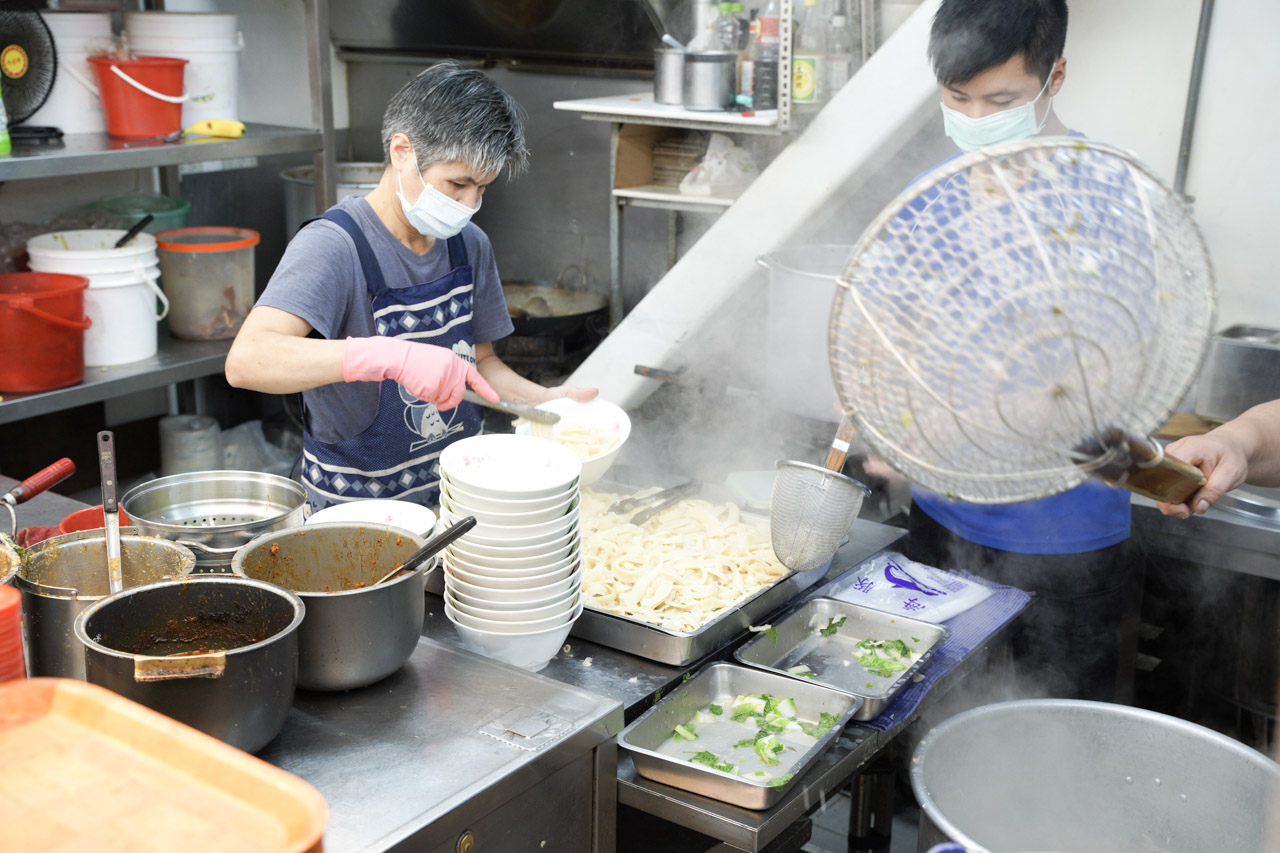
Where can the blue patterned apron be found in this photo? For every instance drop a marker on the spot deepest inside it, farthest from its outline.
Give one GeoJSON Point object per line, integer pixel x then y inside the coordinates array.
{"type": "Point", "coordinates": [397, 456]}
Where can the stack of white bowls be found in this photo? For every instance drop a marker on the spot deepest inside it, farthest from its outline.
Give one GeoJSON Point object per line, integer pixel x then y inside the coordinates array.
{"type": "Point", "coordinates": [513, 584]}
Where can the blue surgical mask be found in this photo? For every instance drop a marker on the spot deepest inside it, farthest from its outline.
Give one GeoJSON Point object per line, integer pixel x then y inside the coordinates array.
{"type": "Point", "coordinates": [1011, 125]}
{"type": "Point", "coordinates": [434, 214]}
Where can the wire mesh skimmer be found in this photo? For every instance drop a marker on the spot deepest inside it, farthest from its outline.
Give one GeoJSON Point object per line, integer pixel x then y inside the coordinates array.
{"type": "Point", "coordinates": [1020, 319]}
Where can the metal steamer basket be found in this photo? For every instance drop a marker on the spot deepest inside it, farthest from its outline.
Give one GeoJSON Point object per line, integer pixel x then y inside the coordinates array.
{"type": "Point", "coordinates": [214, 513]}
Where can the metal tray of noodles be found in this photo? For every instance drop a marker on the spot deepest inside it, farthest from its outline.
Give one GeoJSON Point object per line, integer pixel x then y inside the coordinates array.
{"type": "Point", "coordinates": [831, 659]}
{"type": "Point", "coordinates": [678, 648]}
{"type": "Point", "coordinates": [721, 683]}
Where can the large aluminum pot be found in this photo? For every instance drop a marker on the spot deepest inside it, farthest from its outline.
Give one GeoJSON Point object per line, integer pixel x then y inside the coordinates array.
{"type": "Point", "coordinates": [10, 562]}
{"type": "Point", "coordinates": [300, 189]}
{"type": "Point", "coordinates": [355, 633]}
{"type": "Point", "coordinates": [215, 512]}
{"type": "Point", "coordinates": [1056, 774]}
{"type": "Point", "coordinates": [216, 652]}
{"type": "Point", "coordinates": [65, 574]}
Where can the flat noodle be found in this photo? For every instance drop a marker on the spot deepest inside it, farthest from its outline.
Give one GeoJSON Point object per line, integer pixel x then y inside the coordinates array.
{"type": "Point", "coordinates": [681, 569]}
{"type": "Point", "coordinates": [583, 439]}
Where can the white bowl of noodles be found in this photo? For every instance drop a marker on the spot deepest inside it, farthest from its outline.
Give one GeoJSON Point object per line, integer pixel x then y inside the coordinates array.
{"type": "Point", "coordinates": [595, 431]}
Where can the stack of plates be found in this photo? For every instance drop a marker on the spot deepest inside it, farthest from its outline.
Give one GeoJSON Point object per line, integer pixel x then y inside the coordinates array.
{"type": "Point", "coordinates": [513, 583]}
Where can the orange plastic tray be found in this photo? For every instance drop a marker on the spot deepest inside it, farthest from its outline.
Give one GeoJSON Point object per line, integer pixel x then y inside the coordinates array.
{"type": "Point", "coordinates": [82, 768]}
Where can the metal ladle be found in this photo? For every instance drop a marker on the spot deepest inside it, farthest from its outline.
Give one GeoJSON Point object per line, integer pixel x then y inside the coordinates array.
{"type": "Point", "coordinates": [110, 511]}
{"type": "Point", "coordinates": [434, 545]}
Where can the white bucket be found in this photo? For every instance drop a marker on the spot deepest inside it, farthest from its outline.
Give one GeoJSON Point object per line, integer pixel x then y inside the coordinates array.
{"type": "Point", "coordinates": [73, 104]}
{"type": "Point", "coordinates": [210, 44]}
{"type": "Point", "coordinates": [90, 252]}
{"type": "Point", "coordinates": [122, 307]}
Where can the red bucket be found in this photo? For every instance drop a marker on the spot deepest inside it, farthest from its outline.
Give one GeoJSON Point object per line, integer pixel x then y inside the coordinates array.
{"type": "Point", "coordinates": [42, 325]}
{"type": "Point", "coordinates": [88, 519]}
{"type": "Point", "coordinates": [141, 98]}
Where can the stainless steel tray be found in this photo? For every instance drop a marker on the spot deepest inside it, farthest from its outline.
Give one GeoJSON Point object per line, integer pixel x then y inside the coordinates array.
{"type": "Point", "coordinates": [831, 658]}
{"type": "Point", "coordinates": [721, 683]}
{"type": "Point", "coordinates": [676, 648]}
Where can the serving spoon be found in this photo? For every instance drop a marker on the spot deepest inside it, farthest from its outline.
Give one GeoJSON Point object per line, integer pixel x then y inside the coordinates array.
{"type": "Point", "coordinates": [434, 545]}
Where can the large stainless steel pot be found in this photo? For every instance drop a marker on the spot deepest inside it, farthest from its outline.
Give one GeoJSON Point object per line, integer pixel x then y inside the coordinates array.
{"type": "Point", "coordinates": [1055, 774]}
{"type": "Point", "coordinates": [355, 633]}
{"type": "Point", "coordinates": [219, 653]}
{"type": "Point", "coordinates": [300, 189]}
{"type": "Point", "coordinates": [65, 574]}
{"type": "Point", "coordinates": [215, 512]}
{"type": "Point", "coordinates": [10, 562]}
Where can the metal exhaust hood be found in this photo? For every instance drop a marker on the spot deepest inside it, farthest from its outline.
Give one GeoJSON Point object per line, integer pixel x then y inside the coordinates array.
{"type": "Point", "coordinates": [590, 32]}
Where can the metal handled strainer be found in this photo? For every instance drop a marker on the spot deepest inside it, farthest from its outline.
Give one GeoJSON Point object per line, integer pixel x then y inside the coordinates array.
{"type": "Point", "coordinates": [813, 506]}
{"type": "Point", "coordinates": [1020, 318]}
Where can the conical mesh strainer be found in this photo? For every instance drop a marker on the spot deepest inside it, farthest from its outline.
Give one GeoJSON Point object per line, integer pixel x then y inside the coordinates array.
{"type": "Point", "coordinates": [1019, 319]}
{"type": "Point", "coordinates": [811, 511]}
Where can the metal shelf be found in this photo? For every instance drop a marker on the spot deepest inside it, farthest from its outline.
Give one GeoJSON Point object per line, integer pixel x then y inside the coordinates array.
{"type": "Point", "coordinates": [83, 153]}
{"type": "Point", "coordinates": [176, 361]}
{"type": "Point", "coordinates": [642, 109]}
{"type": "Point", "coordinates": [670, 198]}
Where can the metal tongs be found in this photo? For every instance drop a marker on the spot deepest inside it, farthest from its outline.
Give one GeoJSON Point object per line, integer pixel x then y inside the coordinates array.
{"type": "Point", "coordinates": [664, 499]}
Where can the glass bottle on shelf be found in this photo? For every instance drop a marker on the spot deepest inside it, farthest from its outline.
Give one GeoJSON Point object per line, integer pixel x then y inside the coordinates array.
{"type": "Point", "coordinates": [747, 62]}
{"type": "Point", "coordinates": [843, 54]}
{"type": "Point", "coordinates": [809, 71]}
{"type": "Point", "coordinates": [726, 29]}
{"type": "Point", "coordinates": [765, 55]}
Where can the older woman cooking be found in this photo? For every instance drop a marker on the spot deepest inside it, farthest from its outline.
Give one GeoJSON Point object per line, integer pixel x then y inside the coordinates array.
{"type": "Point", "coordinates": [386, 307]}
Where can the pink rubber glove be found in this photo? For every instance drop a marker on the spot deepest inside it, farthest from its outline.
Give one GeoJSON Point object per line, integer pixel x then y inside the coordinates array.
{"type": "Point", "coordinates": [430, 373]}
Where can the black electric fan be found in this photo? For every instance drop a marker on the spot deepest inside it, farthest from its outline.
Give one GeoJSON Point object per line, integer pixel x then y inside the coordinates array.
{"type": "Point", "coordinates": [28, 63]}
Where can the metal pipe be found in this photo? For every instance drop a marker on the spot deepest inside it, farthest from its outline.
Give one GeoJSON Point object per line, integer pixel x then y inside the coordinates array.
{"type": "Point", "coordinates": [1193, 100]}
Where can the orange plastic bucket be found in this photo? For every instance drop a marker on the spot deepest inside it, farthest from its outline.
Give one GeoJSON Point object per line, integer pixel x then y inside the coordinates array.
{"type": "Point", "coordinates": [42, 325]}
{"type": "Point", "coordinates": [90, 518]}
{"type": "Point", "coordinates": [141, 97]}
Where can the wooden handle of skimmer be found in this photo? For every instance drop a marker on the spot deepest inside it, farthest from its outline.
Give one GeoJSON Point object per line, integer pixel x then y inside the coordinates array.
{"type": "Point", "coordinates": [1154, 474]}
{"type": "Point", "coordinates": [840, 444]}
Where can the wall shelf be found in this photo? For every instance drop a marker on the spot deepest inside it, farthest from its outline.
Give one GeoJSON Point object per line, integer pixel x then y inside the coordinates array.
{"type": "Point", "coordinates": [85, 153]}
{"type": "Point", "coordinates": [175, 361]}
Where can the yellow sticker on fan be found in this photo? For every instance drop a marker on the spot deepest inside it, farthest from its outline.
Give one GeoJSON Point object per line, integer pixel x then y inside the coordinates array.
{"type": "Point", "coordinates": [13, 61]}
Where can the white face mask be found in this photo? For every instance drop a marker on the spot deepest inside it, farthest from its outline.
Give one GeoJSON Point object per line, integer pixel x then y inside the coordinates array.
{"type": "Point", "coordinates": [434, 214]}
{"type": "Point", "coordinates": [970, 134]}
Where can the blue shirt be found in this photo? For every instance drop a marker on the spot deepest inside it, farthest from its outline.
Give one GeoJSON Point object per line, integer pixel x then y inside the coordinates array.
{"type": "Point", "coordinates": [1086, 518]}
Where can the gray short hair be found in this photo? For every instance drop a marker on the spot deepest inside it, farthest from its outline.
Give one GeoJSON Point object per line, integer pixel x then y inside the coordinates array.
{"type": "Point", "coordinates": [450, 112]}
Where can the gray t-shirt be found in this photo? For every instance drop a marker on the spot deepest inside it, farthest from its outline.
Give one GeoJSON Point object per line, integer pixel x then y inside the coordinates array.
{"type": "Point", "coordinates": [319, 279]}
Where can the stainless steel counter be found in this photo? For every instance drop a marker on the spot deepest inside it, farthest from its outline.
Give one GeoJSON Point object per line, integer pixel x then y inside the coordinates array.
{"type": "Point", "coordinates": [1219, 539]}
{"type": "Point", "coordinates": [410, 764]}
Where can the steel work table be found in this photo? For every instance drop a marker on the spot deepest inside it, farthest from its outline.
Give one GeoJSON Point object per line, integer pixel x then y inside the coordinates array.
{"type": "Point", "coordinates": [637, 682]}
{"type": "Point", "coordinates": [405, 765]}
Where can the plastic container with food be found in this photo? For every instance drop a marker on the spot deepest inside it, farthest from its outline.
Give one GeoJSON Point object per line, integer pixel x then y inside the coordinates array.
{"type": "Point", "coordinates": [209, 276]}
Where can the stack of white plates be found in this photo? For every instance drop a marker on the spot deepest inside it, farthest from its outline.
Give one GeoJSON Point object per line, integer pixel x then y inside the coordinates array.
{"type": "Point", "coordinates": [513, 584]}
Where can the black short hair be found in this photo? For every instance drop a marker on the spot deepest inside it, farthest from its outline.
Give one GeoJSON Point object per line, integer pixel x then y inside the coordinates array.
{"type": "Point", "coordinates": [970, 36]}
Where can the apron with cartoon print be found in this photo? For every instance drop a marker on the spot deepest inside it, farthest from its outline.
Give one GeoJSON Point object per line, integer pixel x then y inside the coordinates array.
{"type": "Point", "coordinates": [397, 455]}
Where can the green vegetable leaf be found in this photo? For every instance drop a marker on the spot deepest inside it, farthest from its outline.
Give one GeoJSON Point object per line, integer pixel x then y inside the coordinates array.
{"type": "Point", "coordinates": [708, 758]}
{"type": "Point", "coordinates": [684, 732]}
{"type": "Point", "coordinates": [750, 741]}
{"type": "Point", "coordinates": [687, 675]}
{"type": "Point", "coordinates": [772, 634]}
{"type": "Point", "coordinates": [820, 728]}
{"type": "Point", "coordinates": [766, 749]}
{"type": "Point", "coordinates": [742, 712]}
{"type": "Point", "coordinates": [915, 639]}
{"type": "Point", "coordinates": [870, 684]}
{"type": "Point", "coordinates": [779, 781]}
{"type": "Point", "coordinates": [832, 625]}
{"type": "Point", "coordinates": [898, 648]}
{"type": "Point", "coordinates": [715, 709]}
